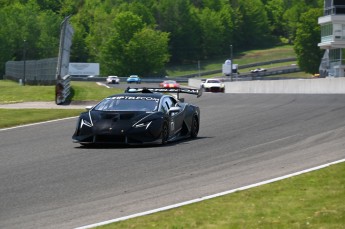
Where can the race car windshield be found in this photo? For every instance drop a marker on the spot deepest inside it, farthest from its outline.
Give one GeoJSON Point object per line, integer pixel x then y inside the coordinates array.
{"type": "Point", "coordinates": [128, 103]}
{"type": "Point", "coordinates": [214, 81]}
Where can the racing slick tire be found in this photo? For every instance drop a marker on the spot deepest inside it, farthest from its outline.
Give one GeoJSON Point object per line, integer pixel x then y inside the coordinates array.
{"type": "Point", "coordinates": [165, 133]}
{"type": "Point", "coordinates": [195, 127]}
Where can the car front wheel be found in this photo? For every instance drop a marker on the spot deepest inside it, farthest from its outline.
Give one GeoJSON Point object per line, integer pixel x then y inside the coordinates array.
{"type": "Point", "coordinates": [195, 127]}
{"type": "Point", "coordinates": [165, 133]}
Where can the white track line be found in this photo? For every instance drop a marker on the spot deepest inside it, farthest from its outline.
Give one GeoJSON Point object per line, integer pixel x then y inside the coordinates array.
{"type": "Point", "coordinates": [102, 84]}
{"type": "Point", "coordinates": [210, 197]}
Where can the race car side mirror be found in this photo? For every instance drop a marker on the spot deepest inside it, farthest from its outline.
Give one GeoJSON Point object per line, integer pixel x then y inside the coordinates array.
{"type": "Point", "coordinates": [88, 108]}
{"type": "Point", "coordinates": [174, 110]}
{"type": "Point", "coordinates": [200, 92]}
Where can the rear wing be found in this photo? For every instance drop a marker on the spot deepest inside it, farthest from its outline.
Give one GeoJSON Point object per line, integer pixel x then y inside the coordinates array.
{"type": "Point", "coordinates": [192, 91]}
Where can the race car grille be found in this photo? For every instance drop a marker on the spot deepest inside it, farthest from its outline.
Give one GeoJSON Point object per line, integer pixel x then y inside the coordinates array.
{"type": "Point", "coordinates": [110, 139]}
{"type": "Point", "coordinates": [117, 116]}
{"type": "Point", "coordinates": [126, 116]}
{"type": "Point", "coordinates": [216, 89]}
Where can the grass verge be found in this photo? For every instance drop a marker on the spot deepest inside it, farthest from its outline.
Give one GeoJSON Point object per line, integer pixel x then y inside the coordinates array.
{"type": "Point", "coordinates": [86, 91]}
{"type": "Point", "coordinates": [312, 200]}
{"type": "Point", "coordinates": [12, 92]}
{"type": "Point", "coordinates": [16, 117]}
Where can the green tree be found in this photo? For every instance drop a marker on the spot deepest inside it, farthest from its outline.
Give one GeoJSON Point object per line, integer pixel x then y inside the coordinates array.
{"type": "Point", "coordinates": [147, 52]}
{"type": "Point", "coordinates": [275, 10]}
{"type": "Point", "coordinates": [307, 37]}
{"type": "Point", "coordinates": [79, 50]}
{"type": "Point", "coordinates": [139, 9]}
{"type": "Point", "coordinates": [226, 14]}
{"type": "Point", "coordinates": [133, 47]}
{"type": "Point", "coordinates": [39, 29]}
{"type": "Point", "coordinates": [177, 18]}
{"type": "Point", "coordinates": [197, 29]}
{"type": "Point", "coordinates": [127, 24]}
{"type": "Point", "coordinates": [294, 9]}
{"type": "Point", "coordinates": [212, 32]}
{"type": "Point", "coordinates": [210, 4]}
{"type": "Point", "coordinates": [252, 24]}
{"type": "Point", "coordinates": [97, 31]}
{"type": "Point", "coordinates": [47, 42]}
{"type": "Point", "coordinates": [51, 5]}
{"type": "Point", "coordinates": [70, 7]}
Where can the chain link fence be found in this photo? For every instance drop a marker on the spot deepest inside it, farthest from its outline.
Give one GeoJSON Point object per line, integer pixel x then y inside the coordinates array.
{"type": "Point", "coordinates": [32, 72]}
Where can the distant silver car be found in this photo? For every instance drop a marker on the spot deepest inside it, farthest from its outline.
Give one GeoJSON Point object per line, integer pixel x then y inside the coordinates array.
{"type": "Point", "coordinates": [113, 79]}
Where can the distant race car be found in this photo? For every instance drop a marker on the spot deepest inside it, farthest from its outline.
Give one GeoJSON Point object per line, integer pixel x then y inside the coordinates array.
{"type": "Point", "coordinates": [113, 79]}
{"type": "Point", "coordinates": [139, 116]}
{"type": "Point", "coordinates": [169, 84]}
{"type": "Point", "coordinates": [134, 79]}
{"type": "Point", "coordinates": [213, 85]}
{"type": "Point", "coordinates": [258, 70]}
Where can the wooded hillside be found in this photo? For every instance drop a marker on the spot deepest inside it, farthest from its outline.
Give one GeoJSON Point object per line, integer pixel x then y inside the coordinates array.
{"type": "Point", "coordinates": [142, 36]}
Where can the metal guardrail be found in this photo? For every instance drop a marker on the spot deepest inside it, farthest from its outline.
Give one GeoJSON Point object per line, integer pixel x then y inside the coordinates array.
{"type": "Point", "coordinates": [272, 71]}
{"type": "Point", "coordinates": [262, 75]}
{"type": "Point", "coordinates": [184, 78]}
{"type": "Point", "coordinates": [239, 67]}
{"type": "Point", "coordinates": [124, 79]}
{"type": "Point", "coordinates": [237, 77]}
{"type": "Point", "coordinates": [180, 79]}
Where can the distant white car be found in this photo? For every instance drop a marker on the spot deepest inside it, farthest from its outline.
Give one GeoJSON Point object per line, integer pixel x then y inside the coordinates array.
{"type": "Point", "coordinates": [113, 79]}
{"type": "Point", "coordinates": [213, 85]}
{"type": "Point", "coordinates": [258, 70]}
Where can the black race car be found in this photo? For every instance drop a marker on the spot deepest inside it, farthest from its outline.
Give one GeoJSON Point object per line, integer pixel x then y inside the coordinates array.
{"type": "Point", "coordinates": [139, 116]}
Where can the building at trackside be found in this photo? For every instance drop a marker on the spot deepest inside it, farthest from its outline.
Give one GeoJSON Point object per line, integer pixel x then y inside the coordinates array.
{"type": "Point", "coordinates": [333, 38]}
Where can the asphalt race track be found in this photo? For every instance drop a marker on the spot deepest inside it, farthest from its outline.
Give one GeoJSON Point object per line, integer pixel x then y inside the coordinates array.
{"type": "Point", "coordinates": [49, 182]}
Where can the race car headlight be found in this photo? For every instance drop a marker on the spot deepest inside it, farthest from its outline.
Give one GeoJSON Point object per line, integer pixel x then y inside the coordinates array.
{"type": "Point", "coordinates": [83, 122]}
{"type": "Point", "coordinates": [143, 125]}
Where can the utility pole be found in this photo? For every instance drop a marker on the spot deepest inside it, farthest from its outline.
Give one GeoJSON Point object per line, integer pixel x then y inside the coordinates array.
{"type": "Point", "coordinates": [24, 60]}
{"type": "Point", "coordinates": [231, 62]}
